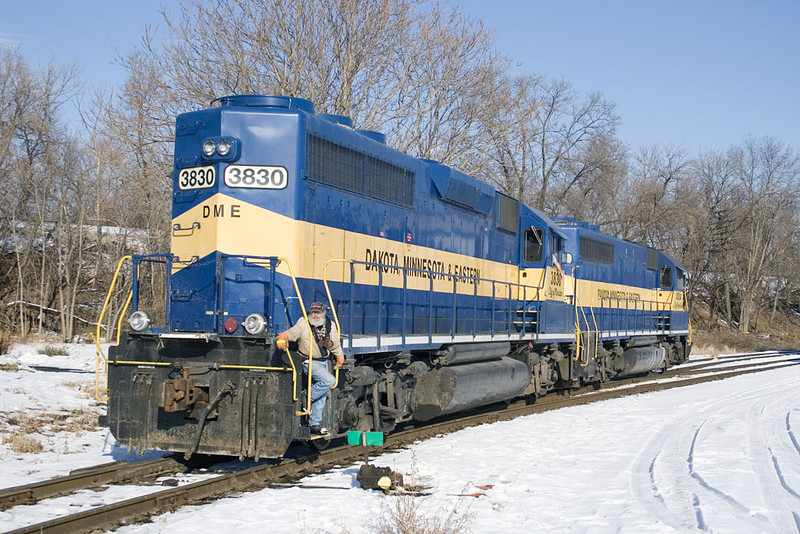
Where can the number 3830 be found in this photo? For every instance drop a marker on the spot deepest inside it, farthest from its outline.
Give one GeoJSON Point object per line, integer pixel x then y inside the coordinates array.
{"type": "Point", "coordinates": [256, 176]}
{"type": "Point", "coordinates": [196, 178]}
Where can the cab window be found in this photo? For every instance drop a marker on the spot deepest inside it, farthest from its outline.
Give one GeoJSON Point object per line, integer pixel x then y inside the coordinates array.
{"type": "Point", "coordinates": [558, 247]}
{"type": "Point", "coordinates": [682, 280]}
{"type": "Point", "coordinates": [665, 277]}
{"type": "Point", "coordinates": [533, 246]}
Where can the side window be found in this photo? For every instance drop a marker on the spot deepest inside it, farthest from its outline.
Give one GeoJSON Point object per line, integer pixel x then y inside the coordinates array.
{"type": "Point", "coordinates": [681, 280]}
{"type": "Point", "coordinates": [665, 277]}
{"type": "Point", "coordinates": [558, 247]}
{"type": "Point", "coordinates": [533, 246]}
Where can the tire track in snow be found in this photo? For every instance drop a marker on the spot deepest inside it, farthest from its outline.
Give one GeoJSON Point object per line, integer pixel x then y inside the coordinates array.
{"type": "Point", "coordinates": [773, 450]}
{"type": "Point", "coordinates": [790, 432]}
{"type": "Point", "coordinates": [743, 510]}
{"type": "Point", "coordinates": [665, 480]}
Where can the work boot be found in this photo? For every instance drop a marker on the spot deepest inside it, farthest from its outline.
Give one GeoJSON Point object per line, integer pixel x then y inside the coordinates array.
{"type": "Point", "coordinates": [318, 430]}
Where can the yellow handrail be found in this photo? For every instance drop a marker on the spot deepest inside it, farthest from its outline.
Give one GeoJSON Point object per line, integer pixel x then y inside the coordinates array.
{"type": "Point", "coordinates": [576, 306]}
{"type": "Point", "coordinates": [333, 309]}
{"type": "Point", "coordinates": [596, 336]}
{"type": "Point", "coordinates": [578, 337]}
{"type": "Point", "coordinates": [328, 291]}
{"type": "Point", "coordinates": [579, 349]}
{"type": "Point", "coordinates": [99, 349]}
{"type": "Point", "coordinates": [310, 339]}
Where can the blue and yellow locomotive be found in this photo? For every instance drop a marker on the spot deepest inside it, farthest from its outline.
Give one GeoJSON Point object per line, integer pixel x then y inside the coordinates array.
{"type": "Point", "coordinates": [448, 293]}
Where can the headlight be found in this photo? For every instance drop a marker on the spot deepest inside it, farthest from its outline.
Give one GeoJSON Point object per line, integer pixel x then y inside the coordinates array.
{"type": "Point", "coordinates": [255, 324]}
{"type": "Point", "coordinates": [139, 320]}
{"type": "Point", "coordinates": [223, 147]}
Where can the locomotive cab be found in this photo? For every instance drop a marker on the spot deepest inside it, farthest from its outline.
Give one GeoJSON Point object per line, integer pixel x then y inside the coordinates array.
{"type": "Point", "coordinates": [541, 249]}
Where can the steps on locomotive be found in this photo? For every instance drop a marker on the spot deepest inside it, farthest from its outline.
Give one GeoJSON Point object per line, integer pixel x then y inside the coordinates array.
{"type": "Point", "coordinates": [527, 319]}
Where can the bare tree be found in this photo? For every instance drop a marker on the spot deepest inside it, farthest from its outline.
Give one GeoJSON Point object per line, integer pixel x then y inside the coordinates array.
{"type": "Point", "coordinates": [130, 153]}
{"type": "Point", "coordinates": [597, 180]}
{"type": "Point", "coordinates": [36, 160]}
{"type": "Point", "coordinates": [767, 172]}
{"type": "Point", "coordinates": [510, 156]}
{"type": "Point", "coordinates": [708, 207]}
{"type": "Point", "coordinates": [648, 208]}
{"type": "Point", "coordinates": [568, 123]}
{"type": "Point", "coordinates": [541, 138]}
{"type": "Point", "coordinates": [16, 104]}
{"type": "Point", "coordinates": [449, 76]}
{"type": "Point", "coordinates": [132, 133]}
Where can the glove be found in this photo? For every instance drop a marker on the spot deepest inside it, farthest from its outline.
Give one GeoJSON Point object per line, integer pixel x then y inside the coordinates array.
{"type": "Point", "coordinates": [339, 362]}
{"type": "Point", "coordinates": [281, 341]}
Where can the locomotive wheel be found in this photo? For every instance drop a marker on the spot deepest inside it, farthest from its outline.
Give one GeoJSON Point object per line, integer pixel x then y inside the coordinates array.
{"type": "Point", "coordinates": [318, 444]}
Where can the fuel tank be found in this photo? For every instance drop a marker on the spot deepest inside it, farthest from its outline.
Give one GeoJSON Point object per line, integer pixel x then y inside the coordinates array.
{"type": "Point", "coordinates": [642, 360]}
{"type": "Point", "coordinates": [460, 387]}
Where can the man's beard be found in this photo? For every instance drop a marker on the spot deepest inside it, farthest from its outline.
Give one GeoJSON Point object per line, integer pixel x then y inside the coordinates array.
{"type": "Point", "coordinates": [316, 320]}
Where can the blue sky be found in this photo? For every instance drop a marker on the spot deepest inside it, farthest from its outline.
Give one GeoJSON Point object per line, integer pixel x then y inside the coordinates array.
{"type": "Point", "coordinates": [688, 73]}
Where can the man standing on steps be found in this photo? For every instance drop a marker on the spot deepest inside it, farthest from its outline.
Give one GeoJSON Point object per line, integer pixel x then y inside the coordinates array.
{"type": "Point", "coordinates": [326, 341]}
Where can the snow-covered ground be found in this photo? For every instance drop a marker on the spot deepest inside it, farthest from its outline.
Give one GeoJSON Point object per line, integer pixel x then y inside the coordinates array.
{"type": "Point", "coordinates": [717, 457]}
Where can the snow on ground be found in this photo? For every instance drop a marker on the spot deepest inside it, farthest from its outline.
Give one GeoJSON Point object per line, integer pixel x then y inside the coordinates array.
{"type": "Point", "coordinates": [717, 457]}
{"type": "Point", "coordinates": [41, 397]}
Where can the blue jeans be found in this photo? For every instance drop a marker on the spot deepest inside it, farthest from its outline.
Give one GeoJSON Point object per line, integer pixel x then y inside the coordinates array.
{"type": "Point", "coordinates": [321, 382]}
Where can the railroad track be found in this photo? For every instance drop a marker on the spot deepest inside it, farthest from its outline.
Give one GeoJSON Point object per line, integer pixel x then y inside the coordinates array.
{"type": "Point", "coordinates": [90, 477]}
{"type": "Point", "coordinates": [292, 469]}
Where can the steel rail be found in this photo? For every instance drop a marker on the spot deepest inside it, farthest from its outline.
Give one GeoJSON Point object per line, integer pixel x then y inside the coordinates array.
{"type": "Point", "coordinates": [90, 477]}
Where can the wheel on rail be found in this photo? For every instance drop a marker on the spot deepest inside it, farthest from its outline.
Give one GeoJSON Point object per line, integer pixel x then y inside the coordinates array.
{"type": "Point", "coordinates": [318, 443]}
